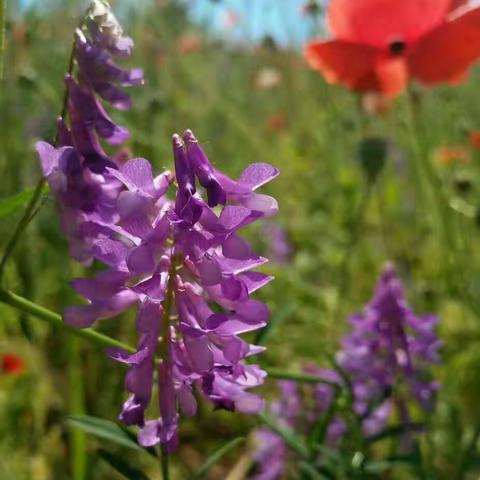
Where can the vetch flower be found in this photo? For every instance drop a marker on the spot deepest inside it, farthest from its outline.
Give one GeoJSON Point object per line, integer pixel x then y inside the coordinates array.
{"type": "Point", "coordinates": [192, 277]}
{"type": "Point", "coordinates": [298, 408]}
{"type": "Point", "coordinates": [390, 345]}
{"type": "Point", "coordinates": [77, 168]}
{"type": "Point", "coordinates": [380, 45]}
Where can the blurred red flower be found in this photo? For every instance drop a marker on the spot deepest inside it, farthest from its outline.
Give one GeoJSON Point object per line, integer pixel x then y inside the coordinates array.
{"type": "Point", "coordinates": [450, 155]}
{"type": "Point", "coordinates": [12, 364]}
{"type": "Point", "coordinates": [380, 44]}
{"type": "Point", "coordinates": [475, 139]}
{"type": "Point", "coordinates": [277, 123]}
{"type": "Point", "coordinates": [188, 42]}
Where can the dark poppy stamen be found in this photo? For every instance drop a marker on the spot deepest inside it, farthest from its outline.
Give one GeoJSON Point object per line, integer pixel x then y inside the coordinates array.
{"type": "Point", "coordinates": [397, 47]}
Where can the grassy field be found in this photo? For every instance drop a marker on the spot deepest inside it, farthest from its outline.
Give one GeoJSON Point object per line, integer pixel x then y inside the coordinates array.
{"type": "Point", "coordinates": [246, 104]}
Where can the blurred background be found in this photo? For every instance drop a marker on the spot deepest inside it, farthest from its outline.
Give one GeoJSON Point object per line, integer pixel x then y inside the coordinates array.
{"type": "Point", "coordinates": [233, 72]}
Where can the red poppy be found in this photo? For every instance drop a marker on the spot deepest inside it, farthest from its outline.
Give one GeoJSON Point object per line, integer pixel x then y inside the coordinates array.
{"type": "Point", "coordinates": [12, 364]}
{"type": "Point", "coordinates": [380, 44]}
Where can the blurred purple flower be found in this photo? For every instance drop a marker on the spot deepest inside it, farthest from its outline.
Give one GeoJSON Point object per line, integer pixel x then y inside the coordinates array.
{"type": "Point", "coordinates": [298, 408]}
{"type": "Point", "coordinates": [279, 247]}
{"type": "Point", "coordinates": [390, 344]}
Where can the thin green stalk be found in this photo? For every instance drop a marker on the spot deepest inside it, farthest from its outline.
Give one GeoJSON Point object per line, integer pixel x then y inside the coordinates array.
{"type": "Point", "coordinates": [24, 221]}
{"type": "Point", "coordinates": [298, 377]}
{"type": "Point", "coordinates": [344, 276]}
{"type": "Point", "coordinates": [467, 453]}
{"type": "Point", "coordinates": [24, 305]}
{"type": "Point", "coordinates": [77, 407]}
{"type": "Point", "coordinates": [164, 463]}
{"type": "Point", "coordinates": [164, 350]}
{"type": "Point", "coordinates": [30, 210]}
{"type": "Point", "coordinates": [3, 23]}
{"type": "Point", "coordinates": [426, 170]}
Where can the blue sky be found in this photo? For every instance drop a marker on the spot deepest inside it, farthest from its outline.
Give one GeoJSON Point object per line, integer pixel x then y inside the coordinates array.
{"type": "Point", "coordinates": [280, 19]}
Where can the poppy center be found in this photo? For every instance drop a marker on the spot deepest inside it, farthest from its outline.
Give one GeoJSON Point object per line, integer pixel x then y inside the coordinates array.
{"type": "Point", "coordinates": [397, 47]}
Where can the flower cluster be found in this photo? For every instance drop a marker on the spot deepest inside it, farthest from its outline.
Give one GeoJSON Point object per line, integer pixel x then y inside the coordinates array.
{"type": "Point", "coordinates": [388, 347]}
{"type": "Point", "coordinates": [299, 408]}
{"type": "Point", "coordinates": [181, 261]}
{"type": "Point", "coordinates": [77, 167]}
{"type": "Point", "coordinates": [388, 344]}
{"type": "Point", "coordinates": [379, 45]}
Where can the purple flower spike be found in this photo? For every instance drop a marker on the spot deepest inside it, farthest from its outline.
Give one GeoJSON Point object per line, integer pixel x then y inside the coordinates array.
{"type": "Point", "coordinates": [80, 173]}
{"type": "Point", "coordinates": [176, 259]}
{"type": "Point", "coordinates": [182, 263]}
{"type": "Point", "coordinates": [389, 342]}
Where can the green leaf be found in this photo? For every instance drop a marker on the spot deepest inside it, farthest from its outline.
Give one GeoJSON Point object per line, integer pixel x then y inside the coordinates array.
{"type": "Point", "coordinates": [121, 466]}
{"type": "Point", "coordinates": [311, 472]}
{"type": "Point", "coordinates": [10, 204]}
{"type": "Point", "coordinates": [391, 462]}
{"type": "Point", "coordinates": [396, 431]}
{"type": "Point", "coordinates": [274, 322]}
{"type": "Point", "coordinates": [295, 442]}
{"type": "Point", "coordinates": [104, 429]}
{"type": "Point", "coordinates": [216, 456]}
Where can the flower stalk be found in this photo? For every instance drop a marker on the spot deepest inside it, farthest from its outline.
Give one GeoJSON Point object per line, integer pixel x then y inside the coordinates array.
{"type": "Point", "coordinates": [3, 22]}
{"type": "Point", "coordinates": [24, 305]}
{"type": "Point", "coordinates": [31, 208]}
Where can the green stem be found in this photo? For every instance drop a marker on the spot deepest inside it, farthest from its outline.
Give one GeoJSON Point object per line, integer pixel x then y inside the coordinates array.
{"type": "Point", "coordinates": [31, 207]}
{"type": "Point", "coordinates": [426, 170]}
{"type": "Point", "coordinates": [24, 221]}
{"type": "Point", "coordinates": [298, 377]}
{"type": "Point", "coordinates": [3, 22]}
{"type": "Point", "coordinates": [77, 407]}
{"type": "Point", "coordinates": [164, 463]}
{"type": "Point", "coordinates": [164, 349]}
{"type": "Point", "coordinates": [344, 276]}
{"type": "Point", "coordinates": [24, 305]}
{"type": "Point", "coordinates": [466, 454]}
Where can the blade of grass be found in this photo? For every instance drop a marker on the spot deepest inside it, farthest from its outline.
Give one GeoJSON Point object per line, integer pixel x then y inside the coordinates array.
{"type": "Point", "coordinates": [78, 455]}
{"type": "Point", "coordinates": [3, 15]}
{"type": "Point", "coordinates": [216, 456]}
{"type": "Point", "coordinates": [104, 429]}
{"type": "Point", "coordinates": [291, 439]}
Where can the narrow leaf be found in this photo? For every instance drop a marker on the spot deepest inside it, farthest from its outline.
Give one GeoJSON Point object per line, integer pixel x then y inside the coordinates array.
{"type": "Point", "coordinates": [274, 322]}
{"type": "Point", "coordinates": [216, 456]}
{"type": "Point", "coordinates": [104, 429]}
{"type": "Point", "coordinates": [295, 442]}
{"type": "Point", "coordinates": [10, 204]}
{"type": "Point", "coordinates": [121, 466]}
{"type": "Point", "coordinates": [396, 431]}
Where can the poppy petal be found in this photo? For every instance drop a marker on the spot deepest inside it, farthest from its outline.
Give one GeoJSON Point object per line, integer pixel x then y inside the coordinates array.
{"type": "Point", "coordinates": [446, 53]}
{"type": "Point", "coordinates": [342, 62]}
{"type": "Point", "coordinates": [392, 75]}
{"type": "Point", "coordinates": [380, 22]}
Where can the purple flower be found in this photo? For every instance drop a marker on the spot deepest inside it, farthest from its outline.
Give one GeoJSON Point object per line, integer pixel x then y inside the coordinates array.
{"type": "Point", "coordinates": [390, 344]}
{"type": "Point", "coordinates": [181, 262]}
{"type": "Point", "coordinates": [279, 247]}
{"type": "Point", "coordinates": [77, 169]}
{"type": "Point", "coordinates": [176, 259]}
